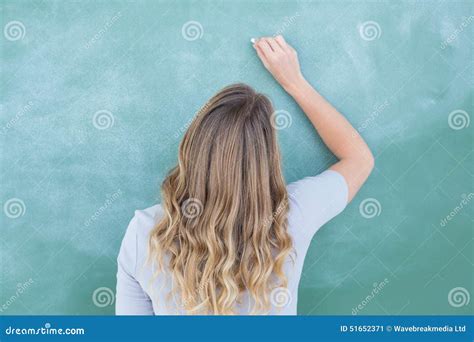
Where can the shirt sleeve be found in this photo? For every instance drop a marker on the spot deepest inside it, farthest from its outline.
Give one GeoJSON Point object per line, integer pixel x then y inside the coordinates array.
{"type": "Point", "coordinates": [130, 297]}
{"type": "Point", "coordinates": [316, 200]}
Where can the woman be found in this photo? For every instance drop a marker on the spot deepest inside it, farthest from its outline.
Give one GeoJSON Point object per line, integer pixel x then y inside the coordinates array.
{"type": "Point", "coordinates": [229, 237]}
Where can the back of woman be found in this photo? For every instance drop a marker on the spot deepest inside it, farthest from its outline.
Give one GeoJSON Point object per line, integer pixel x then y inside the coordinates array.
{"type": "Point", "coordinates": [229, 236]}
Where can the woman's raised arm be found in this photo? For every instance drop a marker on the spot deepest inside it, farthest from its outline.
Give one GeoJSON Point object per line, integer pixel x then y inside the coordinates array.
{"type": "Point", "coordinates": [355, 158]}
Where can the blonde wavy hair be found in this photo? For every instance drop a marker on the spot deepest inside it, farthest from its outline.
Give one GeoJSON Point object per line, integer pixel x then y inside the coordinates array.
{"type": "Point", "coordinates": [224, 231]}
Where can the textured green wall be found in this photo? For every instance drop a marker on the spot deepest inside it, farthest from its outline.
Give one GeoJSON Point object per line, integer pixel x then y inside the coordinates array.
{"type": "Point", "coordinates": [97, 94]}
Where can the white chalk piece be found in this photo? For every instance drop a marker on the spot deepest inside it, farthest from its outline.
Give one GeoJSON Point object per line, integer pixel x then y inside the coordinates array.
{"type": "Point", "coordinates": [253, 40]}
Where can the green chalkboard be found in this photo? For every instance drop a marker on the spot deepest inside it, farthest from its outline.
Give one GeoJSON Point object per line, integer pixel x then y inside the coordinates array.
{"type": "Point", "coordinates": [96, 96]}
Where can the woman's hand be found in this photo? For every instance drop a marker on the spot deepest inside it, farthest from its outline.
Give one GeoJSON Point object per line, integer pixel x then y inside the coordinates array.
{"type": "Point", "coordinates": [281, 60]}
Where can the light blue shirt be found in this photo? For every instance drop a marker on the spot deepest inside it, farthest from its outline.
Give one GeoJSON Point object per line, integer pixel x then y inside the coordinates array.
{"type": "Point", "coordinates": [313, 201]}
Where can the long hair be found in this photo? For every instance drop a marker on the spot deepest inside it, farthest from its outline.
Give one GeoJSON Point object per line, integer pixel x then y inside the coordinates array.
{"type": "Point", "coordinates": [224, 231]}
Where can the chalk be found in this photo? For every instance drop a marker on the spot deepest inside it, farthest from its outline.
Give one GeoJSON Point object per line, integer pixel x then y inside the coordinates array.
{"type": "Point", "coordinates": [253, 40]}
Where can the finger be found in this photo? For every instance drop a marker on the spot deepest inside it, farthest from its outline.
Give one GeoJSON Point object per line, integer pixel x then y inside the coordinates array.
{"type": "Point", "coordinates": [264, 47]}
{"type": "Point", "coordinates": [291, 49]}
{"type": "Point", "coordinates": [262, 56]}
{"type": "Point", "coordinates": [273, 44]}
{"type": "Point", "coordinates": [282, 43]}
{"type": "Point", "coordinates": [281, 40]}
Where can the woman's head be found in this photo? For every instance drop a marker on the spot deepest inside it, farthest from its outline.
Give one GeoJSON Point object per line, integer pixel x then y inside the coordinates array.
{"type": "Point", "coordinates": [225, 228]}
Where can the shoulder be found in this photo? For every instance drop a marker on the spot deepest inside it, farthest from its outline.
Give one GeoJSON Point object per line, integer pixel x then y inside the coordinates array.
{"type": "Point", "coordinates": [145, 220]}
{"type": "Point", "coordinates": [328, 180]}
{"type": "Point", "coordinates": [135, 241]}
{"type": "Point", "coordinates": [322, 187]}
{"type": "Point", "coordinates": [315, 200]}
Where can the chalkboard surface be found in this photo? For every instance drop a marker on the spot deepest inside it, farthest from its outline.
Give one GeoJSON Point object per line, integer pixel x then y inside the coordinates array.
{"type": "Point", "coordinates": [96, 96]}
